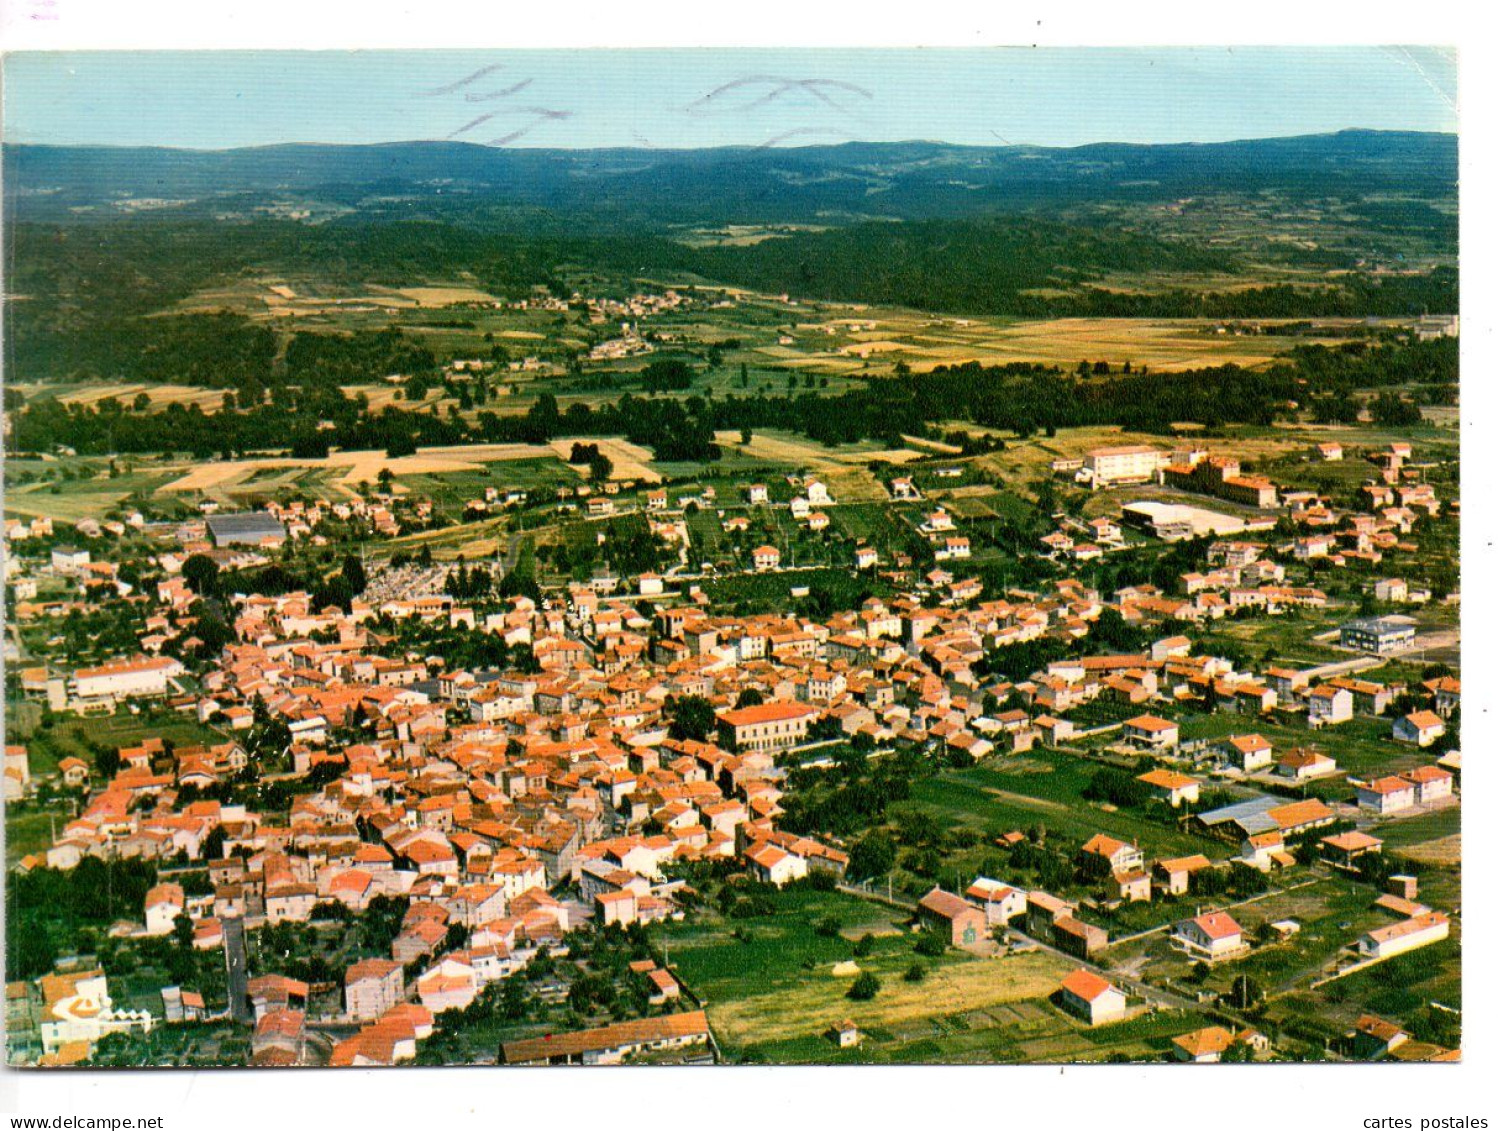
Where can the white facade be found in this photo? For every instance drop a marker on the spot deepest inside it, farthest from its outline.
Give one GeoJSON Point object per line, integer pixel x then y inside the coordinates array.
{"type": "Point", "coordinates": [85, 1012]}
{"type": "Point", "coordinates": [126, 680]}
{"type": "Point", "coordinates": [1106, 466]}
{"type": "Point", "coordinates": [1385, 942]}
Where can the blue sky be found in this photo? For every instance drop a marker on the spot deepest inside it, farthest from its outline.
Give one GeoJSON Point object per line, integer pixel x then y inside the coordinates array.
{"type": "Point", "coordinates": [689, 98]}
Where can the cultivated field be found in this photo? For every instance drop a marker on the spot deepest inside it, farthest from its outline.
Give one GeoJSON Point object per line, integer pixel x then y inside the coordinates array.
{"type": "Point", "coordinates": [769, 977]}
{"type": "Point", "coordinates": [821, 1001]}
{"type": "Point", "coordinates": [353, 468]}
{"type": "Point", "coordinates": [630, 460]}
{"type": "Point", "coordinates": [843, 469]}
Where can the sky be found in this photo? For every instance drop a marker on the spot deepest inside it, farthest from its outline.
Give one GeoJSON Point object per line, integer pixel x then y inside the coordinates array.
{"type": "Point", "coordinates": [687, 98]}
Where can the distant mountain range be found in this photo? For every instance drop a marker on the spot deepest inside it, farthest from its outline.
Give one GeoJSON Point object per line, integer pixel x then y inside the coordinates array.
{"type": "Point", "coordinates": [902, 180]}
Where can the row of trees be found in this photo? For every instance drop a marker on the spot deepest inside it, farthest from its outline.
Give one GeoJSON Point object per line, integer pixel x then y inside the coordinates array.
{"type": "Point", "coordinates": [1022, 397]}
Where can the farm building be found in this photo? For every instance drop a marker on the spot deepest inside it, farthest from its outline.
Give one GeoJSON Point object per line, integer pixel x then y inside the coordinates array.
{"type": "Point", "coordinates": [963, 925]}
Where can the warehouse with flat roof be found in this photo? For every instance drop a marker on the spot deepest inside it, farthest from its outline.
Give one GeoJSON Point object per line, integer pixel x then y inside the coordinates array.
{"type": "Point", "coordinates": [251, 528]}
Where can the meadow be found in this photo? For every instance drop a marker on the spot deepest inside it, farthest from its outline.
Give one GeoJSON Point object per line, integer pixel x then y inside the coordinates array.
{"type": "Point", "coordinates": [766, 980]}
{"type": "Point", "coordinates": [1043, 788]}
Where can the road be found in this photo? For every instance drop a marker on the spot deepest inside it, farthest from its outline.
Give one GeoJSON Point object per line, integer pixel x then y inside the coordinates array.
{"type": "Point", "coordinates": [1346, 667]}
{"type": "Point", "coordinates": [238, 970]}
{"type": "Point", "coordinates": [512, 553]}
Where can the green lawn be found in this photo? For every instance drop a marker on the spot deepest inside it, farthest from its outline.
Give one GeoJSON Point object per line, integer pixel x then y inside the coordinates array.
{"type": "Point", "coordinates": [705, 530]}
{"type": "Point", "coordinates": [1332, 912]}
{"type": "Point", "coordinates": [1403, 832]}
{"type": "Point", "coordinates": [26, 832]}
{"type": "Point", "coordinates": [1030, 1031]}
{"type": "Point", "coordinates": [1361, 746]}
{"type": "Point", "coordinates": [71, 735]}
{"type": "Point", "coordinates": [767, 982]}
{"type": "Point", "coordinates": [751, 593]}
{"type": "Point", "coordinates": [1044, 788]}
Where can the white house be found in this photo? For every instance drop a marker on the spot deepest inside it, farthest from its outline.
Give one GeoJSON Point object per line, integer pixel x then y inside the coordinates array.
{"type": "Point", "coordinates": [1000, 902]}
{"type": "Point", "coordinates": [771, 864]}
{"type": "Point", "coordinates": [1152, 731]}
{"type": "Point", "coordinates": [164, 903]}
{"type": "Point", "coordinates": [953, 548]}
{"type": "Point", "coordinates": [1092, 997]}
{"type": "Point", "coordinates": [1386, 795]}
{"type": "Point", "coordinates": [1249, 752]}
{"type": "Point", "coordinates": [1303, 765]}
{"type": "Point", "coordinates": [1410, 934]}
{"type": "Point", "coordinates": [1431, 783]}
{"type": "Point", "coordinates": [1173, 788]}
{"type": "Point", "coordinates": [1326, 706]}
{"type": "Point", "coordinates": [1420, 728]}
{"type": "Point", "coordinates": [1213, 935]}
{"type": "Point", "coordinates": [1120, 855]}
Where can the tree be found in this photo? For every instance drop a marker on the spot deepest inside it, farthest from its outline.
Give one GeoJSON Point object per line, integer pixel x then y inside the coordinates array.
{"type": "Point", "coordinates": [931, 944]}
{"type": "Point", "coordinates": [693, 717]}
{"type": "Point", "coordinates": [873, 855]}
{"type": "Point", "coordinates": [864, 987]}
{"type": "Point", "coordinates": [201, 574]}
{"type": "Point", "coordinates": [829, 927]}
{"type": "Point", "coordinates": [1246, 992]}
{"type": "Point", "coordinates": [30, 951]}
{"type": "Point", "coordinates": [107, 762]}
{"type": "Point", "coordinates": [353, 573]}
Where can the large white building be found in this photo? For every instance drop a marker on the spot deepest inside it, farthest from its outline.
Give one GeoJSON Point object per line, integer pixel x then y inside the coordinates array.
{"type": "Point", "coordinates": [125, 679]}
{"type": "Point", "coordinates": [77, 1007]}
{"type": "Point", "coordinates": [1135, 463]}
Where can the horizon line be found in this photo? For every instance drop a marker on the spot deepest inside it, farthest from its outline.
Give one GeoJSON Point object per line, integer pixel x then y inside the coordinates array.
{"type": "Point", "coordinates": [738, 146]}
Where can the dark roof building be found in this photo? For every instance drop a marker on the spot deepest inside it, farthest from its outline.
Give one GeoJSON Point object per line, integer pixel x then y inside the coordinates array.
{"type": "Point", "coordinates": [251, 528]}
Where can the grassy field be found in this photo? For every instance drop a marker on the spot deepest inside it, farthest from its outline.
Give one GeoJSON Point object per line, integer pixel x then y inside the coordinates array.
{"type": "Point", "coordinates": [1360, 746]}
{"type": "Point", "coordinates": [1046, 788]}
{"type": "Point", "coordinates": [1332, 912]}
{"type": "Point", "coordinates": [843, 469]}
{"type": "Point", "coordinates": [27, 832]}
{"type": "Point", "coordinates": [71, 489]}
{"type": "Point", "coordinates": [1411, 833]}
{"type": "Point", "coordinates": [90, 494]}
{"type": "Point", "coordinates": [767, 986]}
{"type": "Point", "coordinates": [767, 982]}
{"type": "Point", "coordinates": [771, 592]}
{"type": "Point", "coordinates": [71, 735]}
